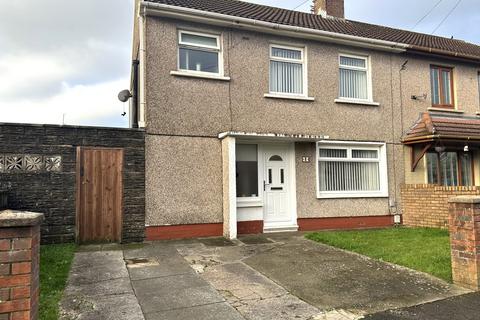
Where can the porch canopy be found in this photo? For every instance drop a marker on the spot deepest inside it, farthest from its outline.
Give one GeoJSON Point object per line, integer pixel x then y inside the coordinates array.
{"type": "Point", "coordinates": [434, 130]}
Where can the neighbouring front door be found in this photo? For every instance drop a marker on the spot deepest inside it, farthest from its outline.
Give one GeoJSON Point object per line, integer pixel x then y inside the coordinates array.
{"type": "Point", "coordinates": [276, 187]}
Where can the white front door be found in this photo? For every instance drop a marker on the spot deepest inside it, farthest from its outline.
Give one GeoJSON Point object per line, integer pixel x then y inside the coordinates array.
{"type": "Point", "coordinates": [277, 211]}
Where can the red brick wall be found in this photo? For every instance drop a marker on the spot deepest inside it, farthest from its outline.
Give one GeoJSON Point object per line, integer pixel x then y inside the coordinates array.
{"type": "Point", "coordinates": [464, 222]}
{"type": "Point", "coordinates": [19, 273]}
{"type": "Point", "coordinates": [425, 205]}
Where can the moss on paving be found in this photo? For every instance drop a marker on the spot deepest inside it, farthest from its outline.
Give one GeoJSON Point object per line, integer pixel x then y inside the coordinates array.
{"type": "Point", "coordinates": [422, 249]}
{"type": "Point", "coordinates": [55, 262]}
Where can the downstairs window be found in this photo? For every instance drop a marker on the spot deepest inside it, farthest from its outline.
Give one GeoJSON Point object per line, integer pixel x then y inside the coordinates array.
{"type": "Point", "coordinates": [351, 171]}
{"type": "Point", "coordinates": [450, 168]}
{"type": "Point", "coordinates": [246, 170]}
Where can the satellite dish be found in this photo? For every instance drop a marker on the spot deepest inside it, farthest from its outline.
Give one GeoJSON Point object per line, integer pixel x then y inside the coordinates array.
{"type": "Point", "coordinates": [124, 95]}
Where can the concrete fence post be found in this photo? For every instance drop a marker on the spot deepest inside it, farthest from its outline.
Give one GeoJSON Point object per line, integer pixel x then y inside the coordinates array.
{"type": "Point", "coordinates": [464, 226]}
{"type": "Point", "coordinates": [19, 264]}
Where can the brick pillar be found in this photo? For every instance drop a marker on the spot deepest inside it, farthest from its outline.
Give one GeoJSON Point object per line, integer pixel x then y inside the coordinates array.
{"type": "Point", "coordinates": [19, 264]}
{"type": "Point", "coordinates": [464, 225]}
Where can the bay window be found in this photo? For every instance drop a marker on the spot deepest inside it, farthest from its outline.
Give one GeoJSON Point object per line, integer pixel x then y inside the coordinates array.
{"type": "Point", "coordinates": [287, 71]}
{"type": "Point", "coordinates": [357, 170]}
{"type": "Point", "coordinates": [354, 78]}
{"type": "Point", "coordinates": [200, 53]}
{"type": "Point", "coordinates": [441, 79]}
{"type": "Point", "coordinates": [449, 168]}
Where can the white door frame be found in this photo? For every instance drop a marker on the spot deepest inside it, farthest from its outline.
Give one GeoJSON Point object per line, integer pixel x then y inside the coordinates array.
{"type": "Point", "coordinates": [291, 224]}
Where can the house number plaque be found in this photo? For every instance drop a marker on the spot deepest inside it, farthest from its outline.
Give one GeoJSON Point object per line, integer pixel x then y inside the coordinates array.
{"type": "Point", "coordinates": [305, 159]}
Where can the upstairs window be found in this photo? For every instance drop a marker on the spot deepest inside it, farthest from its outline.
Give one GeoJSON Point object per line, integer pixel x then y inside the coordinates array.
{"type": "Point", "coordinates": [351, 171]}
{"type": "Point", "coordinates": [287, 74]}
{"type": "Point", "coordinates": [354, 78]}
{"type": "Point", "coordinates": [199, 52]}
{"type": "Point", "coordinates": [442, 87]}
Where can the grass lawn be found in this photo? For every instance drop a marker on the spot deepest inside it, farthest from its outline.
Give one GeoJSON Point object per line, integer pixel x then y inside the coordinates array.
{"type": "Point", "coordinates": [422, 249]}
{"type": "Point", "coordinates": [55, 261]}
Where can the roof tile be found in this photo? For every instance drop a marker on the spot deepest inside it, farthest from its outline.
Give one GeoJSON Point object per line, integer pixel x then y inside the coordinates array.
{"type": "Point", "coordinates": [343, 26]}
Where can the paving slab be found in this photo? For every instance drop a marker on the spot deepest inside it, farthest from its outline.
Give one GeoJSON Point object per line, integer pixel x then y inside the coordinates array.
{"type": "Point", "coordinates": [99, 288]}
{"type": "Point", "coordinates": [172, 298]}
{"type": "Point", "coordinates": [168, 288]}
{"type": "Point", "coordinates": [109, 307]}
{"type": "Point", "coordinates": [174, 265]}
{"type": "Point", "coordinates": [214, 311]}
{"type": "Point", "coordinates": [252, 294]}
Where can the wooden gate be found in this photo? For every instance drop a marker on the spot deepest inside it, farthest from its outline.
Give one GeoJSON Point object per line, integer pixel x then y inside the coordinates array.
{"type": "Point", "coordinates": [99, 194]}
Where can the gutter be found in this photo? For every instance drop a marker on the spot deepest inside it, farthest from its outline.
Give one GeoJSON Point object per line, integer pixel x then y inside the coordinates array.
{"type": "Point", "coordinates": [434, 137]}
{"type": "Point", "coordinates": [163, 10]}
{"type": "Point", "coordinates": [440, 52]}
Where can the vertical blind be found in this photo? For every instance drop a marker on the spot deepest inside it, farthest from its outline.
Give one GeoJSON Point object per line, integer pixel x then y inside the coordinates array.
{"type": "Point", "coordinates": [449, 167]}
{"type": "Point", "coordinates": [349, 176]}
{"type": "Point", "coordinates": [435, 86]}
{"type": "Point", "coordinates": [446, 85]}
{"type": "Point", "coordinates": [286, 71]}
{"type": "Point", "coordinates": [353, 78]}
{"type": "Point", "coordinates": [348, 170]}
{"type": "Point", "coordinates": [454, 168]}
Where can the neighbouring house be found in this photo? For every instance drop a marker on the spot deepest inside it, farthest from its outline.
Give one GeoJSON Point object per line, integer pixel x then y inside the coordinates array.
{"type": "Point", "coordinates": [261, 119]}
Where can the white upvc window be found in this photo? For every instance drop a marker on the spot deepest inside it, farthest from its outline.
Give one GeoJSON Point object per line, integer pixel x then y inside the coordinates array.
{"type": "Point", "coordinates": [355, 78]}
{"type": "Point", "coordinates": [288, 74]}
{"type": "Point", "coordinates": [199, 53]}
{"type": "Point", "coordinates": [351, 170]}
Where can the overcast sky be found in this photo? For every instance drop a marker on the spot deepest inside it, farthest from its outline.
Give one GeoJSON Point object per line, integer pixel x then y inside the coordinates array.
{"type": "Point", "coordinates": [67, 60]}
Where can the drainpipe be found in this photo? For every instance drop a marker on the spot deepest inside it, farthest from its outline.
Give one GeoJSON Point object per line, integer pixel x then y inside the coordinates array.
{"type": "Point", "coordinates": [141, 30]}
{"type": "Point", "coordinates": [134, 102]}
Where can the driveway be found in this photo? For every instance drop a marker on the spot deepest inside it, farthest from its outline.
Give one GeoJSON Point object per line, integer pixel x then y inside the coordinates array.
{"type": "Point", "coordinates": [274, 276]}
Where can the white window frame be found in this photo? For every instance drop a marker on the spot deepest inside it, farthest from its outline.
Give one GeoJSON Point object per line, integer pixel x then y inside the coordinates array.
{"type": "Point", "coordinates": [188, 45]}
{"type": "Point", "coordinates": [369, 76]}
{"type": "Point", "coordinates": [349, 146]}
{"type": "Point", "coordinates": [303, 62]}
{"type": "Point", "coordinates": [257, 201]}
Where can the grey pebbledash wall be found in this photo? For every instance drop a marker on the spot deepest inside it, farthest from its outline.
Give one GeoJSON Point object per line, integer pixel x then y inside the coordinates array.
{"type": "Point", "coordinates": [38, 171]}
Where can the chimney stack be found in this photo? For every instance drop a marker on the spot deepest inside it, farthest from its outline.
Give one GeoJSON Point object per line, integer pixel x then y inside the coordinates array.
{"type": "Point", "coordinates": [329, 8]}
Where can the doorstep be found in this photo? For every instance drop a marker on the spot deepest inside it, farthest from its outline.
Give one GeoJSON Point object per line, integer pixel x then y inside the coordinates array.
{"type": "Point", "coordinates": [280, 228]}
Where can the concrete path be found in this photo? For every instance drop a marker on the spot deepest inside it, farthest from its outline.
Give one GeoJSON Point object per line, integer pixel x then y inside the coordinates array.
{"type": "Point", "coordinates": [276, 276]}
{"type": "Point", "coordinates": [331, 278]}
{"type": "Point", "coordinates": [168, 288]}
{"type": "Point", "coordinates": [99, 288]}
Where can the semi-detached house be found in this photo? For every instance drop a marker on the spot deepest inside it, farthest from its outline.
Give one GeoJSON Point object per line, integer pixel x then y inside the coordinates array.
{"type": "Point", "coordinates": [261, 119]}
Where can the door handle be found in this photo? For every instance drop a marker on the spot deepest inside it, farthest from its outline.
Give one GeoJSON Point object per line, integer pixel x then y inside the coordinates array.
{"type": "Point", "coordinates": [265, 184]}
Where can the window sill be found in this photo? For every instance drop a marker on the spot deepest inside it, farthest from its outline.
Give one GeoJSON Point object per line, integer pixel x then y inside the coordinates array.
{"type": "Point", "coordinates": [358, 102]}
{"type": "Point", "coordinates": [288, 97]}
{"type": "Point", "coordinates": [352, 195]}
{"type": "Point", "coordinates": [249, 202]}
{"type": "Point", "coordinates": [445, 110]}
{"type": "Point", "coordinates": [201, 76]}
